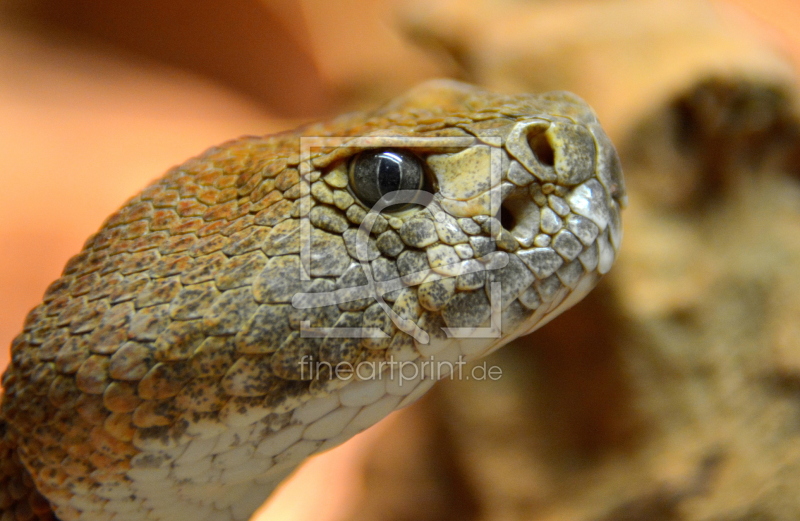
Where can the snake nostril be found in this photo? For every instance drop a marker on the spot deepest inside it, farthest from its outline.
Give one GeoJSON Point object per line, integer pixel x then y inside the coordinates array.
{"type": "Point", "coordinates": [519, 215]}
{"type": "Point", "coordinates": [541, 147]}
{"type": "Point", "coordinates": [507, 219]}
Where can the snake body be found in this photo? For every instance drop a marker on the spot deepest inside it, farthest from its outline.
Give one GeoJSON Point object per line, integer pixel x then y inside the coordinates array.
{"type": "Point", "coordinates": [188, 358]}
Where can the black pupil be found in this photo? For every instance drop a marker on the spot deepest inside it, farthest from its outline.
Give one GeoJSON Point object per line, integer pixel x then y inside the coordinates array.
{"type": "Point", "coordinates": [376, 173]}
{"type": "Point", "coordinates": [390, 172]}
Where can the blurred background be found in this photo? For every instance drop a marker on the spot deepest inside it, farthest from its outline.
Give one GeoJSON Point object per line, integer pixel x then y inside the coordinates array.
{"type": "Point", "coordinates": [98, 98]}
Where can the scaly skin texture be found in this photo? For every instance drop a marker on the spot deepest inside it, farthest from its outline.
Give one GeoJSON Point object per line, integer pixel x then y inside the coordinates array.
{"type": "Point", "coordinates": [184, 363]}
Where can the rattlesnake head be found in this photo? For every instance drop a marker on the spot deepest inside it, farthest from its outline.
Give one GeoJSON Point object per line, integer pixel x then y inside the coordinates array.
{"type": "Point", "coordinates": [275, 295]}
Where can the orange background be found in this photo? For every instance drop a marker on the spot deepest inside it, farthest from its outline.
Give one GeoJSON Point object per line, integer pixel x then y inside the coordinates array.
{"type": "Point", "coordinates": [93, 105]}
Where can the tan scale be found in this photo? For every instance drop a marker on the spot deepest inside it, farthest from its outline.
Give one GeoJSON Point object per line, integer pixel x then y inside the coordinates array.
{"type": "Point", "coordinates": [181, 366]}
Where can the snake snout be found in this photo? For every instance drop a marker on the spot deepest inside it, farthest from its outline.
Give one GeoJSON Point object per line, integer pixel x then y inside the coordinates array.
{"type": "Point", "coordinates": [552, 162]}
{"type": "Point", "coordinates": [558, 152]}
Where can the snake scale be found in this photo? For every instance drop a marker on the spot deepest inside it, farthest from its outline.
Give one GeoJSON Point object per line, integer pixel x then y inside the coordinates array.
{"type": "Point", "coordinates": [276, 295]}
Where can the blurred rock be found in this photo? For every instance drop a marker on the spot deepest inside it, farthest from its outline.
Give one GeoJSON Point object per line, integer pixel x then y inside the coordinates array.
{"type": "Point", "coordinates": [673, 391]}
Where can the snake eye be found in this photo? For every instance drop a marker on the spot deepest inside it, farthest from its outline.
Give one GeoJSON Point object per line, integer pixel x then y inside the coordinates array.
{"type": "Point", "coordinates": [375, 173]}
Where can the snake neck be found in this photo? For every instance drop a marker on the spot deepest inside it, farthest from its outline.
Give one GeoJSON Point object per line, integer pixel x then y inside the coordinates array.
{"type": "Point", "coordinates": [19, 499]}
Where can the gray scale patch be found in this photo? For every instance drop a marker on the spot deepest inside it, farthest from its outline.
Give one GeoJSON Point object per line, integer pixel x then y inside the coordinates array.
{"type": "Point", "coordinates": [379, 224]}
{"type": "Point", "coordinates": [506, 242]}
{"type": "Point", "coordinates": [514, 278]}
{"type": "Point", "coordinates": [320, 285]}
{"type": "Point", "coordinates": [391, 296]}
{"type": "Point", "coordinates": [537, 195]}
{"type": "Point", "coordinates": [360, 245]}
{"type": "Point", "coordinates": [147, 460]}
{"type": "Point", "coordinates": [418, 233]}
{"type": "Point", "coordinates": [265, 330]}
{"type": "Point", "coordinates": [246, 241]}
{"type": "Point", "coordinates": [575, 159]}
{"type": "Point", "coordinates": [280, 280]}
{"type": "Point", "coordinates": [283, 239]}
{"type": "Point", "coordinates": [490, 226]}
{"type": "Point", "coordinates": [432, 323]}
{"type": "Point", "coordinates": [240, 271]}
{"type": "Point", "coordinates": [192, 301]}
{"type": "Point", "coordinates": [375, 317]}
{"type": "Point", "coordinates": [384, 269]}
{"type": "Point", "coordinates": [328, 218]}
{"type": "Point", "coordinates": [230, 311]}
{"type": "Point", "coordinates": [482, 245]}
{"type": "Point", "coordinates": [348, 299]}
{"type": "Point", "coordinates": [334, 350]}
{"type": "Point", "coordinates": [512, 316]}
{"type": "Point", "coordinates": [548, 287]}
{"type": "Point", "coordinates": [401, 348]}
{"type": "Point", "coordinates": [518, 175]}
{"type": "Point", "coordinates": [530, 298]}
{"type": "Point", "coordinates": [590, 257]}
{"type": "Point", "coordinates": [448, 230]}
{"type": "Point", "coordinates": [407, 304]}
{"type": "Point", "coordinates": [413, 266]}
{"type": "Point", "coordinates": [322, 192]}
{"type": "Point", "coordinates": [443, 259]}
{"type": "Point", "coordinates": [149, 322]}
{"type": "Point", "coordinates": [353, 277]}
{"type": "Point", "coordinates": [609, 170]}
{"type": "Point", "coordinates": [549, 221]}
{"type": "Point", "coordinates": [583, 228]}
{"type": "Point", "coordinates": [287, 361]}
{"type": "Point", "coordinates": [249, 376]}
{"type": "Point", "coordinates": [342, 200]}
{"type": "Point", "coordinates": [205, 268]}
{"type": "Point", "coordinates": [571, 273]}
{"type": "Point", "coordinates": [567, 245]}
{"type": "Point", "coordinates": [320, 316]}
{"type": "Point", "coordinates": [394, 223]}
{"type": "Point", "coordinates": [543, 262]}
{"type": "Point", "coordinates": [355, 214]}
{"type": "Point", "coordinates": [389, 243]}
{"type": "Point", "coordinates": [464, 251]}
{"type": "Point", "coordinates": [469, 226]}
{"type": "Point", "coordinates": [469, 309]}
{"type": "Point", "coordinates": [435, 295]}
{"type": "Point", "coordinates": [527, 225]}
{"type": "Point", "coordinates": [558, 205]}
{"type": "Point", "coordinates": [287, 397]}
{"type": "Point", "coordinates": [329, 256]}
{"type": "Point", "coordinates": [615, 226]}
{"type": "Point", "coordinates": [542, 240]}
{"type": "Point", "coordinates": [588, 200]}
{"type": "Point", "coordinates": [607, 253]}
{"type": "Point", "coordinates": [472, 280]}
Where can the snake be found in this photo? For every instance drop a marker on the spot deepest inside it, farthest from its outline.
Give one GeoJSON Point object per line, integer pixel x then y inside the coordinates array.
{"type": "Point", "coordinates": [276, 295]}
